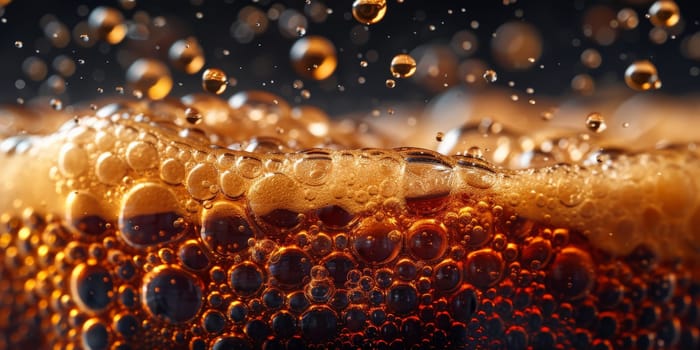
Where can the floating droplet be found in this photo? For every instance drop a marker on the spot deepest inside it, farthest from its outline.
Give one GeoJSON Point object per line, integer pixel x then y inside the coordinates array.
{"type": "Point", "coordinates": [369, 11]}
{"type": "Point", "coordinates": [490, 76]}
{"type": "Point", "coordinates": [214, 81]}
{"type": "Point", "coordinates": [192, 116]}
{"type": "Point", "coordinates": [664, 13]}
{"type": "Point", "coordinates": [403, 66]}
{"type": "Point", "coordinates": [390, 83]}
{"type": "Point", "coordinates": [150, 76]}
{"type": "Point", "coordinates": [186, 55]}
{"type": "Point", "coordinates": [595, 122]}
{"type": "Point", "coordinates": [642, 76]}
{"type": "Point", "coordinates": [313, 57]}
{"type": "Point", "coordinates": [108, 24]}
{"type": "Point", "coordinates": [19, 44]}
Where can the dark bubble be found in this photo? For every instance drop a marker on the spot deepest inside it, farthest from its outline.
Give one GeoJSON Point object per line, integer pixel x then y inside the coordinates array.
{"type": "Point", "coordinates": [448, 274]}
{"type": "Point", "coordinates": [246, 279]}
{"type": "Point", "coordinates": [95, 336]}
{"type": "Point", "coordinates": [338, 265]}
{"type": "Point", "coordinates": [93, 286]}
{"type": "Point", "coordinates": [284, 324]}
{"type": "Point", "coordinates": [402, 299]}
{"type": "Point", "coordinates": [484, 268]}
{"type": "Point", "coordinates": [151, 229]}
{"type": "Point", "coordinates": [225, 229]}
{"type": "Point", "coordinates": [298, 302]}
{"type": "Point", "coordinates": [319, 324]}
{"type": "Point", "coordinates": [231, 342]}
{"type": "Point", "coordinates": [463, 305]}
{"type": "Point", "coordinates": [427, 240]}
{"type": "Point", "coordinates": [290, 267]}
{"type": "Point", "coordinates": [127, 326]}
{"type": "Point", "coordinates": [213, 321]}
{"type": "Point", "coordinates": [257, 330]}
{"type": "Point", "coordinates": [238, 312]}
{"type": "Point", "coordinates": [374, 243]}
{"type": "Point", "coordinates": [193, 257]}
{"type": "Point", "coordinates": [572, 274]}
{"type": "Point", "coordinates": [282, 218]}
{"type": "Point", "coordinates": [334, 216]}
{"type": "Point", "coordinates": [172, 294]}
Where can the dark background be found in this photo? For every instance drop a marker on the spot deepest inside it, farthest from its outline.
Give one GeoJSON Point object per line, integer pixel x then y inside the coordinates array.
{"type": "Point", "coordinates": [265, 59]}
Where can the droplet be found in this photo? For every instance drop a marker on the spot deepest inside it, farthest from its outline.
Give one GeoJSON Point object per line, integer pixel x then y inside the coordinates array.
{"type": "Point", "coordinates": [402, 66]}
{"type": "Point", "coordinates": [369, 11]}
{"type": "Point", "coordinates": [186, 55]}
{"type": "Point", "coordinates": [595, 122]}
{"type": "Point", "coordinates": [108, 24]}
{"type": "Point", "coordinates": [313, 57]}
{"type": "Point", "coordinates": [19, 44]}
{"type": "Point", "coordinates": [664, 13]}
{"type": "Point", "coordinates": [390, 83]}
{"type": "Point", "coordinates": [516, 45]}
{"type": "Point", "coordinates": [172, 294]}
{"type": "Point", "coordinates": [591, 58]}
{"type": "Point", "coordinates": [642, 76]}
{"type": "Point", "coordinates": [192, 116]}
{"type": "Point", "coordinates": [214, 81]}
{"type": "Point", "coordinates": [151, 77]}
{"type": "Point", "coordinates": [490, 76]}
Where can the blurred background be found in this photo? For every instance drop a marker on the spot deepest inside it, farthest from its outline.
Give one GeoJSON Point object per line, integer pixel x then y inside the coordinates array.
{"type": "Point", "coordinates": [534, 48]}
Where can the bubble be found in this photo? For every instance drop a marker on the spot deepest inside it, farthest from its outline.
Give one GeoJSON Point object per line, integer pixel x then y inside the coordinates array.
{"type": "Point", "coordinates": [92, 287]}
{"type": "Point", "coordinates": [484, 268]}
{"type": "Point", "coordinates": [642, 76]}
{"type": "Point", "coordinates": [426, 239]}
{"type": "Point", "coordinates": [284, 324]}
{"type": "Point", "coordinates": [72, 160]}
{"type": "Point", "coordinates": [95, 335]}
{"type": "Point", "coordinates": [402, 66]}
{"type": "Point", "coordinates": [108, 24]}
{"type": "Point", "coordinates": [213, 321]}
{"type": "Point", "coordinates": [390, 83]}
{"type": "Point", "coordinates": [516, 45]}
{"type": "Point", "coordinates": [34, 68]}
{"type": "Point", "coordinates": [595, 122]}
{"type": "Point", "coordinates": [172, 294]}
{"type": "Point", "coordinates": [402, 299]}
{"type": "Point", "coordinates": [19, 44]}
{"type": "Point", "coordinates": [338, 266]}
{"type": "Point", "coordinates": [572, 274]}
{"type": "Point", "coordinates": [369, 11]}
{"type": "Point", "coordinates": [85, 213]}
{"type": "Point", "coordinates": [290, 266]}
{"type": "Point", "coordinates": [141, 155]}
{"type": "Point", "coordinates": [231, 342]}
{"type": "Point", "coordinates": [150, 215]}
{"type": "Point", "coordinates": [583, 84]}
{"type": "Point", "coordinates": [664, 13]}
{"type": "Point", "coordinates": [313, 57]}
{"type": "Point", "coordinates": [464, 304]}
{"type": "Point", "coordinates": [192, 256]}
{"type": "Point", "coordinates": [186, 55]}
{"type": "Point", "coordinates": [200, 181]}
{"type": "Point", "coordinates": [447, 275]}
{"type": "Point", "coordinates": [536, 254]}
{"type": "Point", "coordinates": [151, 77]}
{"type": "Point", "coordinates": [627, 18]}
{"type": "Point", "coordinates": [127, 325]}
{"type": "Point", "coordinates": [319, 324]}
{"type": "Point", "coordinates": [591, 58]}
{"type": "Point", "coordinates": [172, 171]}
{"type": "Point", "coordinates": [374, 242]}
{"type": "Point", "coordinates": [56, 104]}
{"type": "Point", "coordinates": [225, 229]}
{"type": "Point", "coordinates": [214, 81]}
{"type": "Point", "coordinates": [490, 76]}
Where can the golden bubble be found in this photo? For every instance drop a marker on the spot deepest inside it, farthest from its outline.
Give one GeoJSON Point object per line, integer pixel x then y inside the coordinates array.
{"type": "Point", "coordinates": [151, 77]}
{"type": "Point", "coordinates": [108, 24]}
{"type": "Point", "coordinates": [627, 18]}
{"type": "Point", "coordinates": [516, 45]}
{"type": "Point", "coordinates": [490, 76]}
{"type": "Point", "coordinates": [664, 13]}
{"type": "Point", "coordinates": [186, 55]}
{"type": "Point", "coordinates": [313, 57]}
{"type": "Point", "coordinates": [591, 58]}
{"type": "Point", "coordinates": [595, 122]}
{"type": "Point", "coordinates": [403, 66]}
{"type": "Point", "coordinates": [214, 81]}
{"type": "Point", "coordinates": [369, 11]}
{"type": "Point", "coordinates": [583, 84]}
{"type": "Point", "coordinates": [642, 76]}
{"type": "Point", "coordinates": [390, 83]}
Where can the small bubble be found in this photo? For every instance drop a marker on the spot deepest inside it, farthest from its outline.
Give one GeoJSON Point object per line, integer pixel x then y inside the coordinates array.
{"type": "Point", "coordinates": [313, 57]}
{"type": "Point", "coordinates": [390, 83]}
{"type": "Point", "coordinates": [56, 104]}
{"type": "Point", "coordinates": [84, 37]}
{"type": "Point", "coordinates": [363, 64]}
{"type": "Point", "coordinates": [306, 94]}
{"type": "Point", "coordinates": [192, 116]}
{"type": "Point", "coordinates": [439, 136]}
{"type": "Point", "coordinates": [591, 58]}
{"type": "Point", "coordinates": [369, 11]}
{"type": "Point", "coordinates": [595, 122]}
{"type": "Point", "coordinates": [402, 66]}
{"type": "Point", "coordinates": [19, 44]}
{"type": "Point", "coordinates": [490, 76]}
{"type": "Point", "coordinates": [642, 76]}
{"type": "Point", "coordinates": [150, 76]}
{"type": "Point", "coordinates": [214, 81]}
{"type": "Point", "coordinates": [301, 31]}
